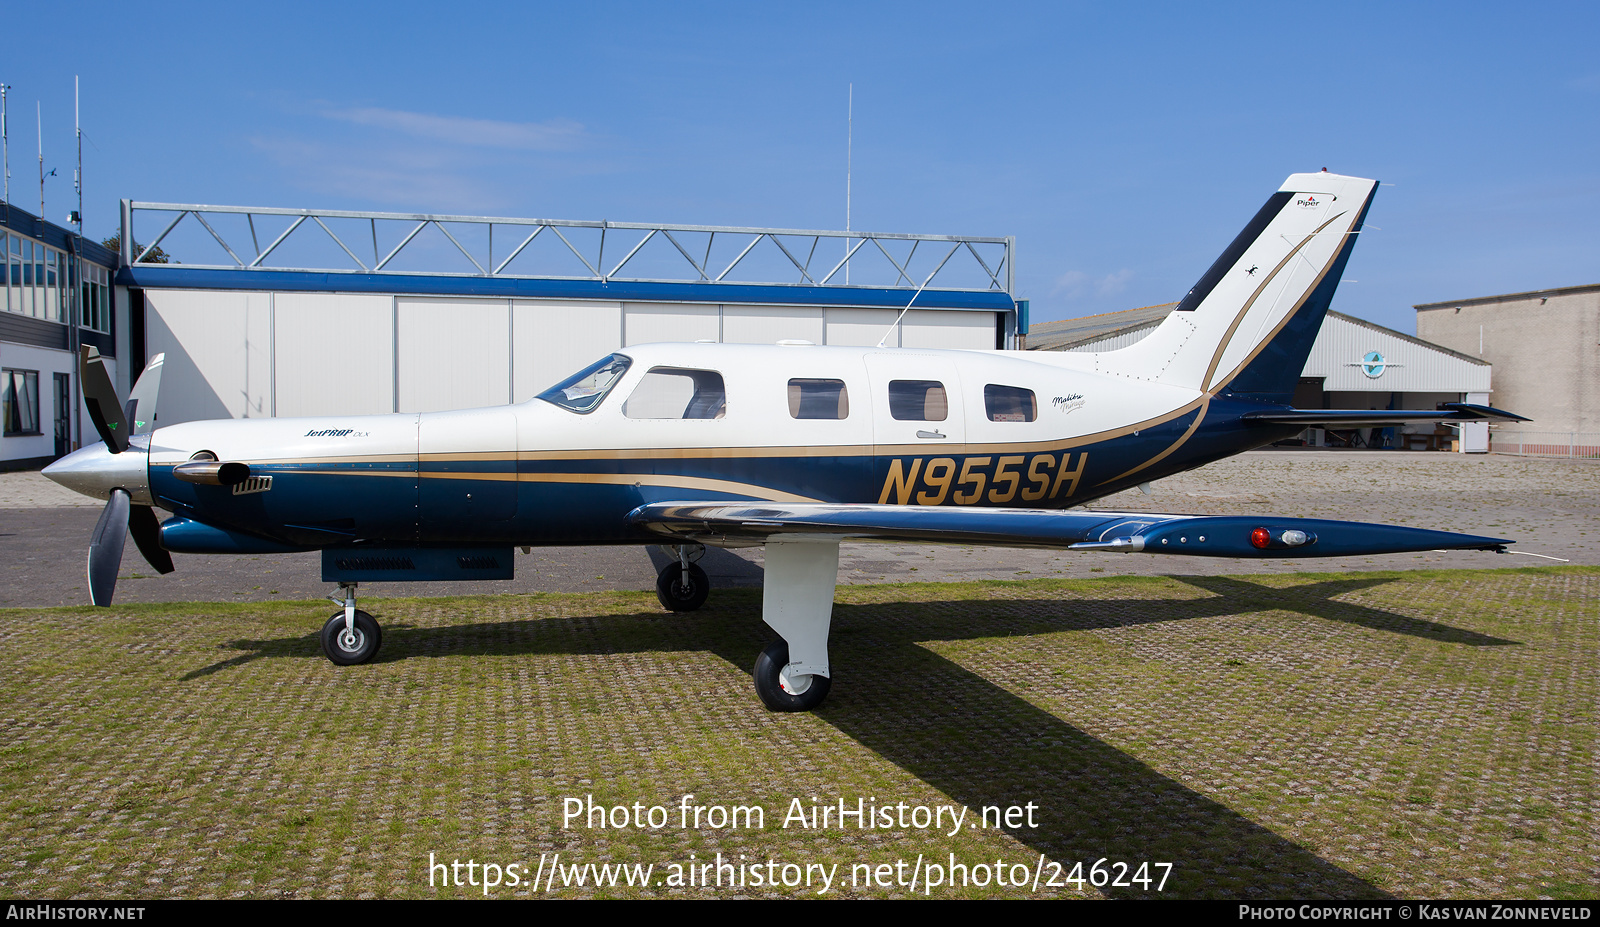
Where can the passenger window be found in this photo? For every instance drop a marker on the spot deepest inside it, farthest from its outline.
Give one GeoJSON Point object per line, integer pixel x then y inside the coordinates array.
{"type": "Point", "coordinates": [671, 392]}
{"type": "Point", "coordinates": [818, 399]}
{"type": "Point", "coordinates": [1010, 403]}
{"type": "Point", "coordinates": [918, 401]}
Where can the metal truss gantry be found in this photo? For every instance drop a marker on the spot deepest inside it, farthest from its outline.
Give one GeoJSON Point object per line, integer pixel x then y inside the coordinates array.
{"type": "Point", "coordinates": [699, 269]}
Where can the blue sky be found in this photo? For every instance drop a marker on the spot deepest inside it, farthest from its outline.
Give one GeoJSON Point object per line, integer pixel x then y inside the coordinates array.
{"type": "Point", "coordinates": [1123, 145]}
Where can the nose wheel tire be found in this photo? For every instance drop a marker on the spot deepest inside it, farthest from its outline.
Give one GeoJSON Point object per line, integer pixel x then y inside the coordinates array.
{"type": "Point", "coordinates": [347, 647]}
{"type": "Point", "coordinates": [681, 591]}
{"type": "Point", "coordinates": [781, 691]}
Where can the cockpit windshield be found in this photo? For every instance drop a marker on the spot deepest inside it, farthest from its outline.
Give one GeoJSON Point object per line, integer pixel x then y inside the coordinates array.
{"type": "Point", "coordinates": [585, 390]}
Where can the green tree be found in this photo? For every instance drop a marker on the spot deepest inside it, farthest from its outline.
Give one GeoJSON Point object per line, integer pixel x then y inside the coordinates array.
{"type": "Point", "coordinates": [156, 256]}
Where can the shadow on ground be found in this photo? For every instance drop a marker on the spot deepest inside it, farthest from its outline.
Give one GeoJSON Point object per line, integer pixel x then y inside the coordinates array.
{"type": "Point", "coordinates": [968, 737]}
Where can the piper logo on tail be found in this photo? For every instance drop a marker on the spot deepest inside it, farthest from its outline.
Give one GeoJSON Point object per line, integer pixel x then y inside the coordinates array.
{"type": "Point", "coordinates": [1313, 200]}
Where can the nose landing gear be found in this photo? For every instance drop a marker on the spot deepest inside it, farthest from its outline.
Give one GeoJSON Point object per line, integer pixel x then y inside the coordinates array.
{"type": "Point", "coordinates": [351, 636]}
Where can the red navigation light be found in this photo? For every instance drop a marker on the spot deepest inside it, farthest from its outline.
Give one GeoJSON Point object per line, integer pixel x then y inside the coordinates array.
{"type": "Point", "coordinates": [1261, 537]}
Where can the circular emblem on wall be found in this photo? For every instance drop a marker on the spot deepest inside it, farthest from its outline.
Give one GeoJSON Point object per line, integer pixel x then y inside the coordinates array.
{"type": "Point", "coordinates": [1372, 364]}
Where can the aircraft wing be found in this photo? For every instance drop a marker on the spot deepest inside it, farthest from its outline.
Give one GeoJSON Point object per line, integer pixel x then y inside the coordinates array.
{"type": "Point", "coordinates": [1354, 418]}
{"type": "Point", "coordinates": [1251, 536]}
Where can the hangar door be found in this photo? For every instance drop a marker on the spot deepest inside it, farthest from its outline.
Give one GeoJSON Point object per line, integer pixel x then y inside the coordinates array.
{"type": "Point", "coordinates": [452, 354]}
{"type": "Point", "coordinates": [219, 353]}
{"type": "Point", "coordinates": [248, 354]}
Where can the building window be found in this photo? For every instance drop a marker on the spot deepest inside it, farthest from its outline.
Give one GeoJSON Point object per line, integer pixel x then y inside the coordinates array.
{"type": "Point", "coordinates": [52, 284]}
{"type": "Point", "coordinates": [96, 295]}
{"type": "Point", "coordinates": [14, 288]}
{"type": "Point", "coordinates": [19, 401]}
{"type": "Point", "coordinates": [22, 274]}
{"type": "Point", "coordinates": [8, 279]}
{"type": "Point", "coordinates": [34, 277]}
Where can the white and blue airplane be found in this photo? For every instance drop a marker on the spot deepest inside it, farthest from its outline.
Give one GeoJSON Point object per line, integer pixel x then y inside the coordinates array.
{"type": "Point", "coordinates": [791, 446]}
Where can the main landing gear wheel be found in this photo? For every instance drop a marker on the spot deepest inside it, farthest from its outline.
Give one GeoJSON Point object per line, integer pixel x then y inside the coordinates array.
{"type": "Point", "coordinates": [781, 692]}
{"type": "Point", "coordinates": [682, 590]}
{"type": "Point", "coordinates": [346, 646]}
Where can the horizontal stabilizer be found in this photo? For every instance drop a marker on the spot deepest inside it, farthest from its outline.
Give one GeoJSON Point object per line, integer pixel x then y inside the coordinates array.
{"type": "Point", "coordinates": [1355, 418]}
{"type": "Point", "coordinates": [1251, 536]}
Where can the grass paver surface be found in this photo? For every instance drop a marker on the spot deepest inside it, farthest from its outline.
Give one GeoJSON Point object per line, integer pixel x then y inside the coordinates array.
{"type": "Point", "coordinates": [1417, 734]}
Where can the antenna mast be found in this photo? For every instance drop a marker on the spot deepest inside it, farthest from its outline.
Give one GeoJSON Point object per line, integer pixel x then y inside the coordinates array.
{"type": "Point", "coordinates": [77, 175]}
{"type": "Point", "coordinates": [75, 323]}
{"type": "Point", "coordinates": [39, 114]}
{"type": "Point", "coordinates": [5, 141]}
{"type": "Point", "coordinates": [849, 153]}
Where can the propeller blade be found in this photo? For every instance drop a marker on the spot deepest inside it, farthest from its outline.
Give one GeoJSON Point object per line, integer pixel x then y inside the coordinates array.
{"type": "Point", "coordinates": [105, 548]}
{"type": "Point", "coordinates": [100, 398]}
{"type": "Point", "coordinates": [146, 531]}
{"type": "Point", "coordinates": [141, 410]}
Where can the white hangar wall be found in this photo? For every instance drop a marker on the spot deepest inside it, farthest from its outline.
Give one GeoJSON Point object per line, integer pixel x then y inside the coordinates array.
{"type": "Point", "coordinates": [325, 358]}
{"type": "Point", "coordinates": [211, 340]}
{"type": "Point", "coordinates": [1411, 365]}
{"type": "Point", "coordinates": [254, 354]}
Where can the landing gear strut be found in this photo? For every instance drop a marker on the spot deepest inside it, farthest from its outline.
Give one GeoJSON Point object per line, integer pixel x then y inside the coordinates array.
{"type": "Point", "coordinates": [351, 636]}
{"type": "Point", "coordinates": [683, 586]}
{"type": "Point", "coordinates": [797, 601]}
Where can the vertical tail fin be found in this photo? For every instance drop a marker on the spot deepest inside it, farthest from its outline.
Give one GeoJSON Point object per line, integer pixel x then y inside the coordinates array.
{"type": "Point", "coordinates": [1248, 325]}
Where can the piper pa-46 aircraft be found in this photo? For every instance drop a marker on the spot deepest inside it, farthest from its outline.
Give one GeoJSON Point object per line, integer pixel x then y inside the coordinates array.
{"type": "Point", "coordinates": [791, 446]}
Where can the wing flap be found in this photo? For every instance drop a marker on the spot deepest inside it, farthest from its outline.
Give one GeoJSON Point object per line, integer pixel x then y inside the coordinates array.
{"type": "Point", "coordinates": [718, 522]}
{"type": "Point", "coordinates": [1244, 536]}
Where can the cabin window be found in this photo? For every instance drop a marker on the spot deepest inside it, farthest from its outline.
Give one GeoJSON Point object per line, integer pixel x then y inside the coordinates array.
{"type": "Point", "coordinates": [673, 392]}
{"type": "Point", "coordinates": [826, 399]}
{"type": "Point", "coordinates": [585, 390]}
{"type": "Point", "coordinates": [1010, 403]}
{"type": "Point", "coordinates": [918, 401]}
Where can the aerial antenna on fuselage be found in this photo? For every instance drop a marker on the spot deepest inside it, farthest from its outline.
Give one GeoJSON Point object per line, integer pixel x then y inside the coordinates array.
{"type": "Point", "coordinates": [908, 305]}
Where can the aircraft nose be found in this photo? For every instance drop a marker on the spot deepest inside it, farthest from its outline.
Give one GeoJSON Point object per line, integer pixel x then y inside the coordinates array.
{"type": "Point", "coordinates": [95, 471]}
